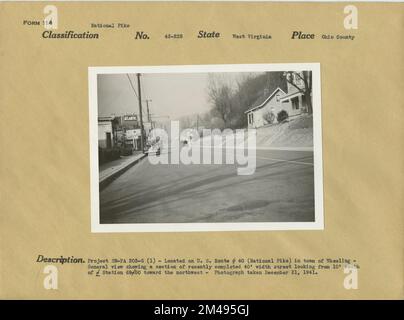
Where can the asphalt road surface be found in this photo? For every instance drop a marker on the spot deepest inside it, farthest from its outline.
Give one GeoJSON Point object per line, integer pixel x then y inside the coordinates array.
{"type": "Point", "coordinates": [280, 190]}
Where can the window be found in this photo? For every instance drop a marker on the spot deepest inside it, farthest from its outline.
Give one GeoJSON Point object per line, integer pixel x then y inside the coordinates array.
{"type": "Point", "coordinates": [250, 118]}
{"type": "Point", "coordinates": [295, 103]}
{"type": "Point", "coordinates": [278, 97]}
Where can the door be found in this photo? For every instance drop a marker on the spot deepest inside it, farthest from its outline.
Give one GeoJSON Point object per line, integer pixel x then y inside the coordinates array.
{"type": "Point", "coordinates": [295, 103]}
{"type": "Point", "coordinates": [109, 140]}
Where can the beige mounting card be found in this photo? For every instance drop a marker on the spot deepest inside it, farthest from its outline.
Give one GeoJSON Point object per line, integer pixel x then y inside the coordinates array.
{"type": "Point", "coordinates": [201, 150]}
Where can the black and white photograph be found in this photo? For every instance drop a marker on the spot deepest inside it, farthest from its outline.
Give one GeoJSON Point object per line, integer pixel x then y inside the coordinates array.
{"type": "Point", "coordinates": [200, 148]}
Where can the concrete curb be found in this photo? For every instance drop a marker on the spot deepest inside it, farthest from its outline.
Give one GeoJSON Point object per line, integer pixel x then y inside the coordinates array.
{"type": "Point", "coordinates": [105, 181]}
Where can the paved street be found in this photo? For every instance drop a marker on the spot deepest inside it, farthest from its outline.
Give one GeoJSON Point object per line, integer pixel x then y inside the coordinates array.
{"type": "Point", "coordinates": [281, 189]}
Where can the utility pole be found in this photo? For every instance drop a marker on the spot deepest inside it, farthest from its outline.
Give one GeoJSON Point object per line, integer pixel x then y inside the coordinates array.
{"type": "Point", "coordinates": [148, 112]}
{"type": "Point", "coordinates": [140, 112]}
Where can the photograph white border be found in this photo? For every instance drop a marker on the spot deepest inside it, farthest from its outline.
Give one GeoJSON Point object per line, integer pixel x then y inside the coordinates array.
{"type": "Point", "coordinates": [318, 224]}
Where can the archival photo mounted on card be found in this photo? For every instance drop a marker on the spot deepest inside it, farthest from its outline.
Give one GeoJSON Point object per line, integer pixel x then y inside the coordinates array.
{"type": "Point", "coordinates": [239, 144]}
{"type": "Point", "coordinates": [201, 150]}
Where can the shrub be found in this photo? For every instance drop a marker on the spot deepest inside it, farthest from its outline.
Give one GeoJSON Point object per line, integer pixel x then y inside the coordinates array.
{"type": "Point", "coordinates": [282, 116]}
{"type": "Point", "coordinates": [269, 117]}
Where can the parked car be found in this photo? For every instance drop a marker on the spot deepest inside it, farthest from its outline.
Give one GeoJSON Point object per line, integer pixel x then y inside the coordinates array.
{"type": "Point", "coordinates": [128, 147]}
{"type": "Point", "coordinates": [154, 149]}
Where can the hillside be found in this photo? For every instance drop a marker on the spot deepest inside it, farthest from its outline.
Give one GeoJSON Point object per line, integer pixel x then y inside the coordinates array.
{"type": "Point", "coordinates": [295, 133]}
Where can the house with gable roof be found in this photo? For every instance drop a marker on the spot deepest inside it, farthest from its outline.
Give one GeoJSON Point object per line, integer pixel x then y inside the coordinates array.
{"type": "Point", "coordinates": [285, 97]}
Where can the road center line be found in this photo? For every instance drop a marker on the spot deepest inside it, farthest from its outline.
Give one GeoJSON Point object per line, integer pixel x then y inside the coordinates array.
{"type": "Point", "coordinates": [282, 160]}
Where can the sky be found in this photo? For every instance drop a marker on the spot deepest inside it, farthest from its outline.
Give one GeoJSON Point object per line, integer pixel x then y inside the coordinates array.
{"type": "Point", "coordinates": [174, 95]}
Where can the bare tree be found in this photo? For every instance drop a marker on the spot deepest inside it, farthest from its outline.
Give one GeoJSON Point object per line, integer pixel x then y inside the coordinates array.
{"type": "Point", "coordinates": [186, 122]}
{"type": "Point", "coordinates": [220, 95]}
{"type": "Point", "coordinates": [306, 77]}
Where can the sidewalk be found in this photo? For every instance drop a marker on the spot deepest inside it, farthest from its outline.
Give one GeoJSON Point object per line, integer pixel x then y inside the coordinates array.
{"type": "Point", "coordinates": [111, 170]}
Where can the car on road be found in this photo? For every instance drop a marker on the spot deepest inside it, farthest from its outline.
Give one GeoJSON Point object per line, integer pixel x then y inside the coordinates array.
{"type": "Point", "coordinates": [154, 149]}
{"type": "Point", "coordinates": [128, 147]}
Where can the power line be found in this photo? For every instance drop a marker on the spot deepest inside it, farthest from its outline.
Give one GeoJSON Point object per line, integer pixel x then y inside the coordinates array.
{"type": "Point", "coordinates": [131, 84]}
{"type": "Point", "coordinates": [144, 91]}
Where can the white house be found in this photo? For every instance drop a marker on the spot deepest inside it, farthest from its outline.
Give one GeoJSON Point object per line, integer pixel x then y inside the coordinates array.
{"type": "Point", "coordinates": [288, 98]}
{"type": "Point", "coordinates": [257, 115]}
